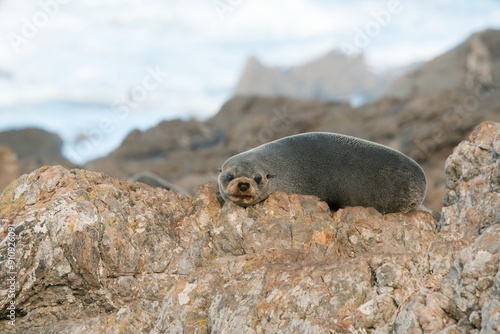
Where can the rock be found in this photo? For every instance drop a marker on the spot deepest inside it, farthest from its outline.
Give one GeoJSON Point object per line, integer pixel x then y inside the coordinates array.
{"type": "Point", "coordinates": [9, 167]}
{"type": "Point", "coordinates": [75, 226]}
{"type": "Point", "coordinates": [154, 180]}
{"type": "Point", "coordinates": [172, 150]}
{"type": "Point", "coordinates": [317, 79]}
{"type": "Point", "coordinates": [97, 254]}
{"type": "Point", "coordinates": [472, 202]}
{"type": "Point", "coordinates": [48, 146]}
{"type": "Point", "coordinates": [424, 313]}
{"type": "Point", "coordinates": [47, 151]}
{"type": "Point", "coordinates": [466, 297]}
{"type": "Point", "coordinates": [90, 252]}
{"type": "Point", "coordinates": [470, 224]}
{"type": "Point", "coordinates": [473, 63]}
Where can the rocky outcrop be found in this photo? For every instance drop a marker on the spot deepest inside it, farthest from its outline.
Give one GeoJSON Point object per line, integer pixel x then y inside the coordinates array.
{"type": "Point", "coordinates": [472, 201]}
{"type": "Point", "coordinates": [473, 64]}
{"type": "Point", "coordinates": [318, 79]}
{"type": "Point", "coordinates": [467, 300]}
{"type": "Point", "coordinates": [33, 148]}
{"type": "Point", "coordinates": [82, 252]}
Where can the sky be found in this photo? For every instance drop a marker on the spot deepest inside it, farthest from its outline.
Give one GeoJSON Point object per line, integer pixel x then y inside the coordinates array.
{"type": "Point", "coordinates": [68, 66]}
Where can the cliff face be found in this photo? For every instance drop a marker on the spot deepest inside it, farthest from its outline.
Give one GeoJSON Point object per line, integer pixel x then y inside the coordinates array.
{"type": "Point", "coordinates": [97, 254]}
{"type": "Point", "coordinates": [331, 77]}
{"type": "Point", "coordinates": [474, 63]}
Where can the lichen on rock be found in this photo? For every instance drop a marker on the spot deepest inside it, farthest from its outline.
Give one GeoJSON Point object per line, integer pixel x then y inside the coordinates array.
{"type": "Point", "coordinates": [95, 254]}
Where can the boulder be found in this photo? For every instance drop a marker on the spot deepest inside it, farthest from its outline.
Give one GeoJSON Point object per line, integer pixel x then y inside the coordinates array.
{"type": "Point", "coordinates": [467, 300]}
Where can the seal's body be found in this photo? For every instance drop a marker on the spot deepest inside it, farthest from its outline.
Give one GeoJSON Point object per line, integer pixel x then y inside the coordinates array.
{"type": "Point", "coordinates": [339, 169]}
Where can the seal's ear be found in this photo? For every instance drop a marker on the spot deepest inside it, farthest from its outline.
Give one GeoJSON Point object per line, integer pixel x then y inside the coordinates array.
{"type": "Point", "coordinates": [219, 170]}
{"type": "Point", "coordinates": [269, 176]}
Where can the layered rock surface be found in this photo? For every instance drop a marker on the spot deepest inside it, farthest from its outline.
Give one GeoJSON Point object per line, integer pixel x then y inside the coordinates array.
{"type": "Point", "coordinates": [95, 254]}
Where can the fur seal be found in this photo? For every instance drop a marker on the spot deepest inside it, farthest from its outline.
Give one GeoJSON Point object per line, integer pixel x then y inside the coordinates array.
{"type": "Point", "coordinates": [341, 170]}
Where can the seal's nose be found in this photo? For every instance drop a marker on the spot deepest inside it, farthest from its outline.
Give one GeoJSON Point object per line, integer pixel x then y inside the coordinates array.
{"type": "Point", "coordinates": [243, 186]}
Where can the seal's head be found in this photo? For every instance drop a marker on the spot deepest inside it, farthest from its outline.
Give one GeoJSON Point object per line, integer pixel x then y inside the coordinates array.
{"type": "Point", "coordinates": [243, 183]}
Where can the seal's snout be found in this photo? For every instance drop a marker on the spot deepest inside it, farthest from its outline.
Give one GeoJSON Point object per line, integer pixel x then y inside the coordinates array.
{"type": "Point", "coordinates": [243, 186]}
{"type": "Point", "coordinates": [242, 191]}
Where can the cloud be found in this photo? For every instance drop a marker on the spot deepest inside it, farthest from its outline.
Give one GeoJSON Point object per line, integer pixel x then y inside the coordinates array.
{"type": "Point", "coordinates": [98, 49]}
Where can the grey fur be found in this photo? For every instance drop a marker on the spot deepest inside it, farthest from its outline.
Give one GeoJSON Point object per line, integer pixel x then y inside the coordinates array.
{"type": "Point", "coordinates": [339, 169]}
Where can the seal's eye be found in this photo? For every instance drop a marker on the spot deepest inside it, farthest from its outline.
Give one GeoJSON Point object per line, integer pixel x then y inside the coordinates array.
{"type": "Point", "coordinates": [229, 177]}
{"type": "Point", "coordinates": [258, 179]}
